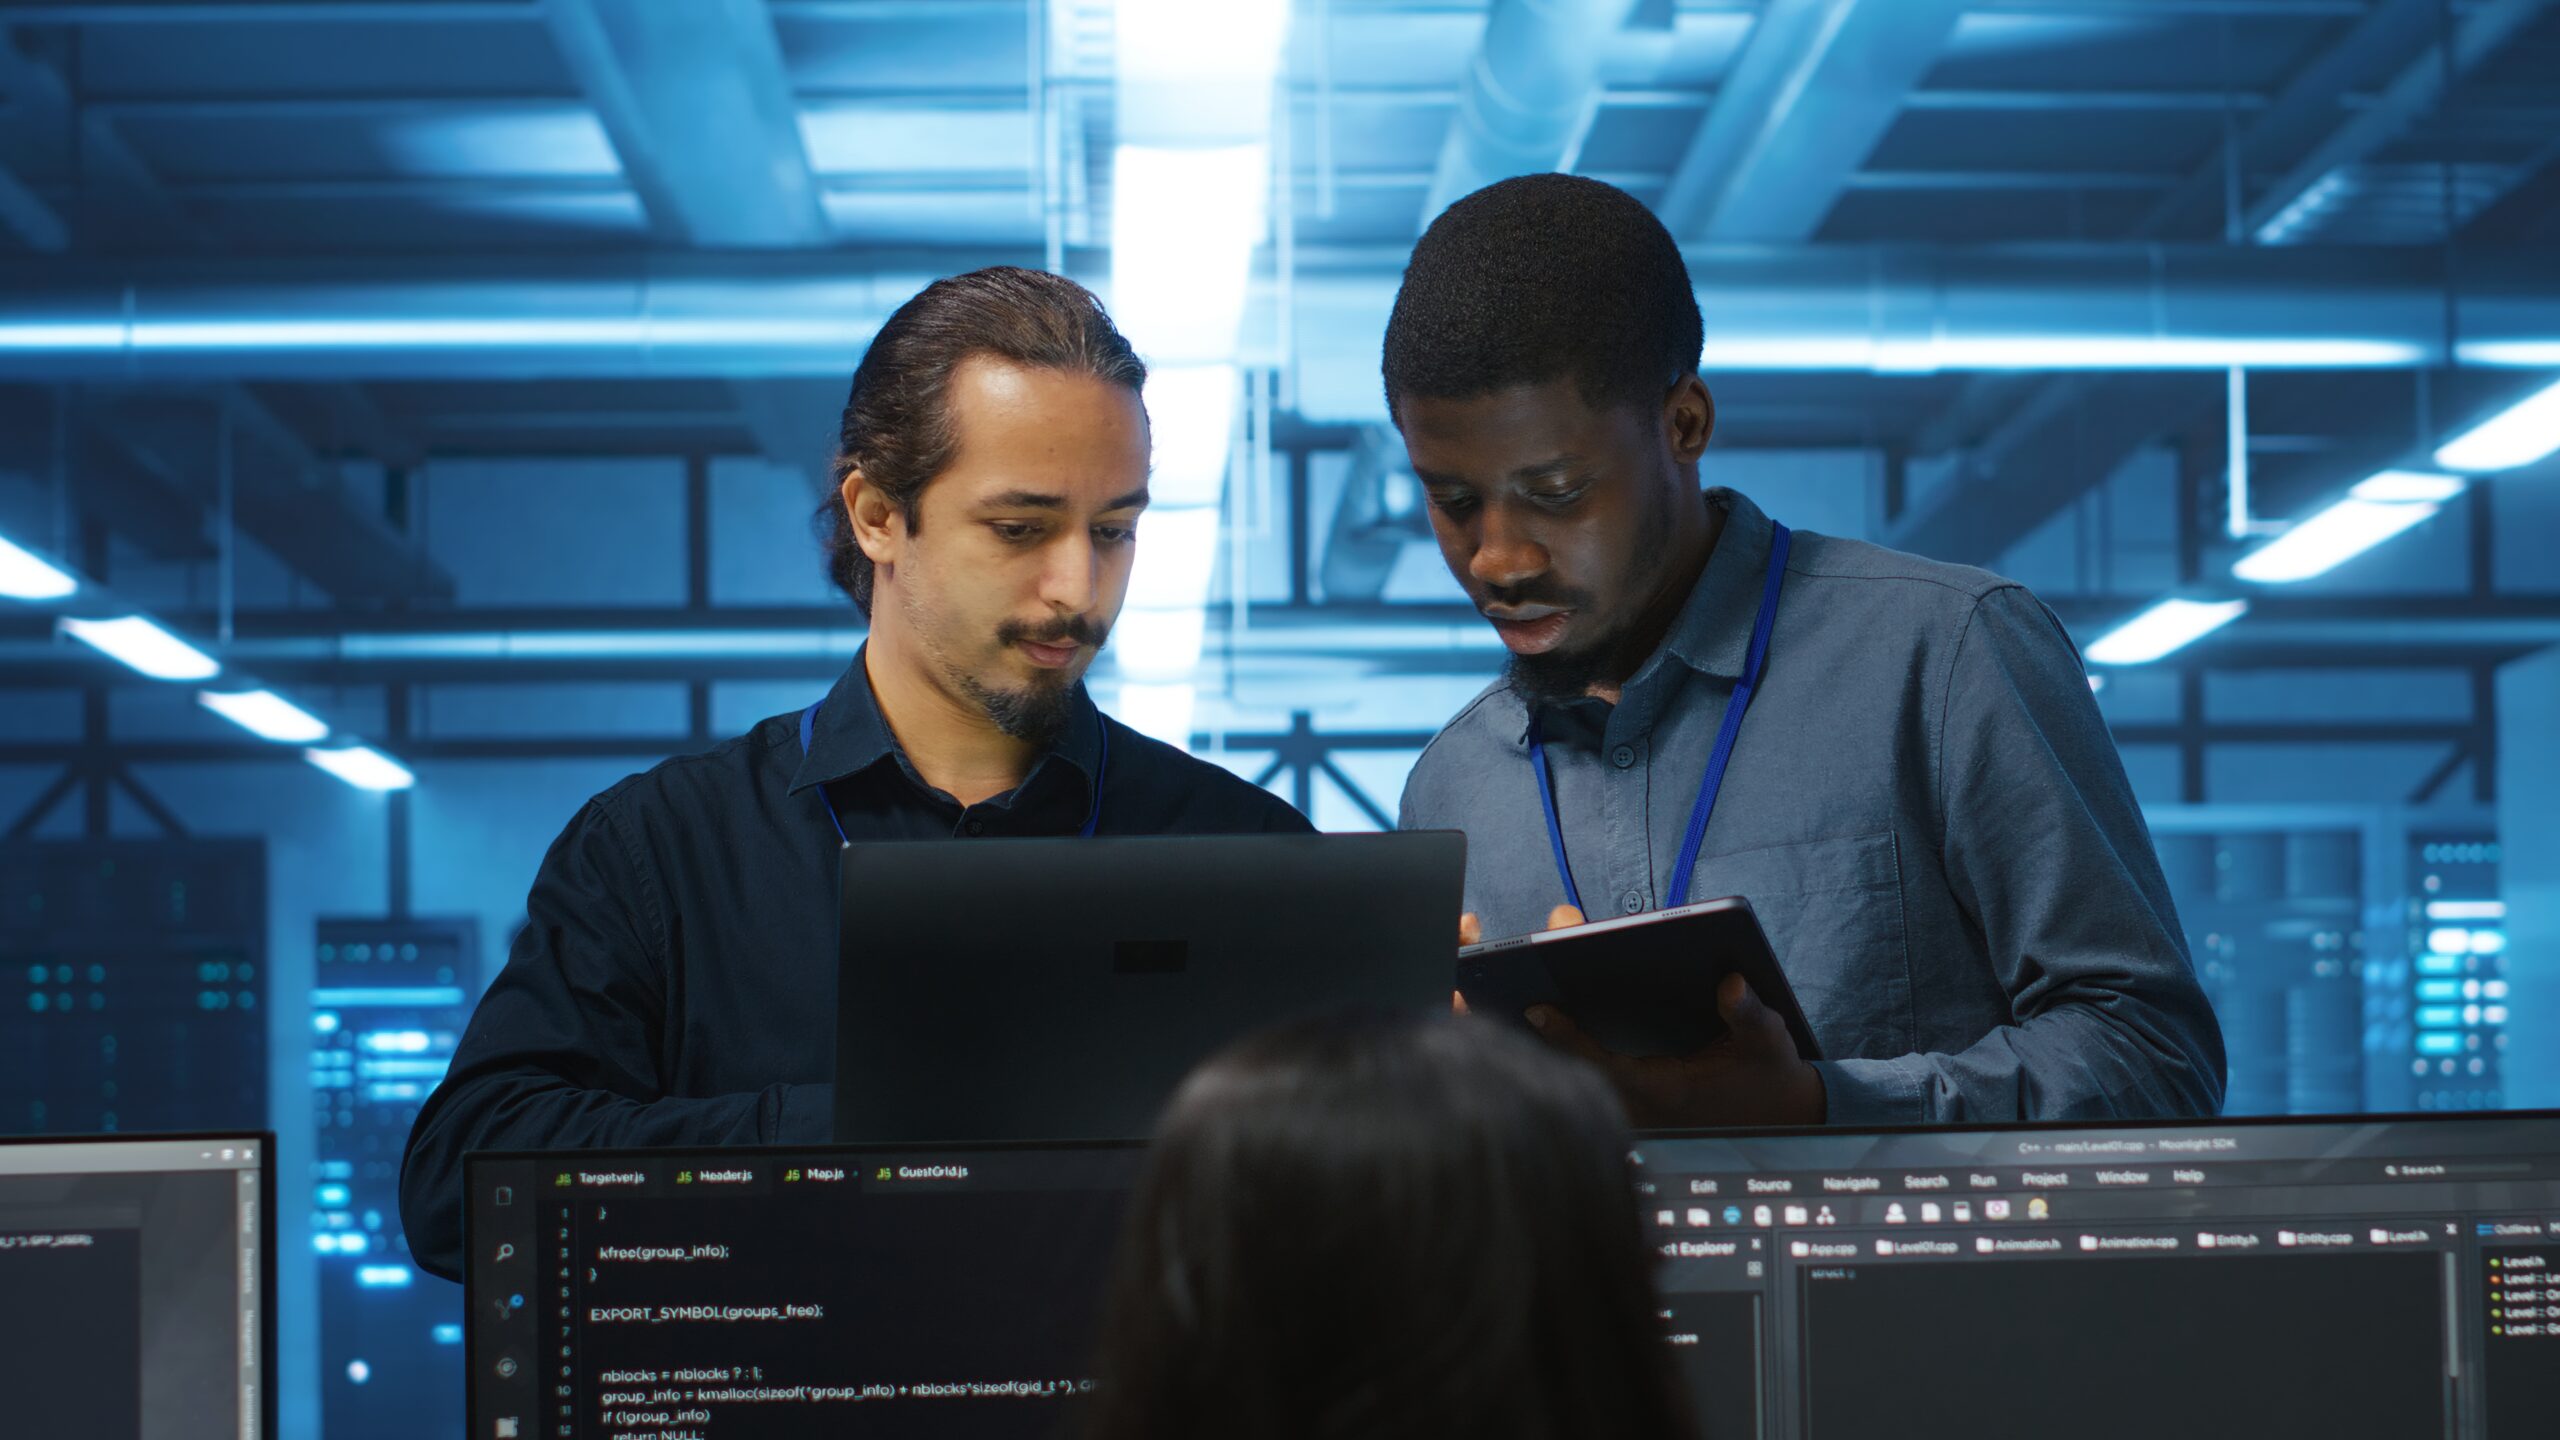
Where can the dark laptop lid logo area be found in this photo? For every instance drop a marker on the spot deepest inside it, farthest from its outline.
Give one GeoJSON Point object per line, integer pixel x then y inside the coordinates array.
{"type": "Point", "coordinates": [1150, 957]}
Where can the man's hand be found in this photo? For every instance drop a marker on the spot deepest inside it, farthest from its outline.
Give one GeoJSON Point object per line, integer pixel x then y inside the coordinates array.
{"type": "Point", "coordinates": [1751, 1075]}
{"type": "Point", "coordinates": [1471, 932]}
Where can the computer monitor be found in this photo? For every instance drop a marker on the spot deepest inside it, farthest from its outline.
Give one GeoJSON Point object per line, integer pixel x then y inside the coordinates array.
{"type": "Point", "coordinates": [2389, 1277]}
{"type": "Point", "coordinates": [134, 1281]}
{"type": "Point", "coordinates": [2333, 1277]}
{"type": "Point", "coordinates": [741, 1293]}
{"type": "Point", "coordinates": [1059, 989]}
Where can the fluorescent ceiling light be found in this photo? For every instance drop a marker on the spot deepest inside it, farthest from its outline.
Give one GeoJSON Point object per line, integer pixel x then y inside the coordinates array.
{"type": "Point", "coordinates": [1194, 71]}
{"type": "Point", "coordinates": [363, 767]}
{"type": "Point", "coordinates": [1177, 552]}
{"type": "Point", "coordinates": [1191, 413]}
{"type": "Point", "coordinates": [2408, 487]}
{"type": "Point", "coordinates": [144, 646]}
{"type": "Point", "coordinates": [267, 715]}
{"type": "Point", "coordinates": [1159, 645]}
{"type": "Point", "coordinates": [24, 575]}
{"type": "Point", "coordinates": [2163, 629]}
{"type": "Point", "coordinates": [2372, 512]}
{"type": "Point", "coordinates": [1184, 223]}
{"type": "Point", "coordinates": [2511, 354]}
{"type": "Point", "coordinates": [1161, 711]}
{"type": "Point", "coordinates": [2519, 435]}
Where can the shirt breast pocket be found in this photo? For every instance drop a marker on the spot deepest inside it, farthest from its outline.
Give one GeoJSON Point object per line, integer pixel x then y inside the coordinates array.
{"type": "Point", "coordinates": [1833, 913]}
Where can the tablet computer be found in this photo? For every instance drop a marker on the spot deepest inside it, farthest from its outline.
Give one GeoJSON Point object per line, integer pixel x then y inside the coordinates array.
{"type": "Point", "coordinates": [1641, 985]}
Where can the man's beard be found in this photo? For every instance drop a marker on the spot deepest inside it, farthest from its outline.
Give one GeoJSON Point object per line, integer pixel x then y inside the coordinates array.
{"type": "Point", "coordinates": [1036, 713]}
{"type": "Point", "coordinates": [1544, 679]}
{"type": "Point", "coordinates": [1558, 675]}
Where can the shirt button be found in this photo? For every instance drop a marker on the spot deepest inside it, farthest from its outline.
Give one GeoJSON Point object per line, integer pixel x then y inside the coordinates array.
{"type": "Point", "coordinates": [1633, 902]}
{"type": "Point", "coordinates": [976, 827]}
{"type": "Point", "coordinates": [1623, 756]}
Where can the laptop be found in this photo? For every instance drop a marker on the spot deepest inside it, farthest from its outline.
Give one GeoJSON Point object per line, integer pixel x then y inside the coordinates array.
{"type": "Point", "coordinates": [1058, 989]}
{"type": "Point", "coordinates": [2345, 1277]}
{"type": "Point", "coordinates": [135, 1280]}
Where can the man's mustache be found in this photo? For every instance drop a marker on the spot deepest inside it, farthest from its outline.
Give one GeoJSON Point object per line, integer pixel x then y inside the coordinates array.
{"type": "Point", "coordinates": [1559, 597]}
{"type": "Point", "coordinates": [1077, 629]}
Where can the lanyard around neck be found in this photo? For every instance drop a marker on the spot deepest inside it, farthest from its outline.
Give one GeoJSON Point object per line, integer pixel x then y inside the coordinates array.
{"type": "Point", "coordinates": [1754, 662]}
{"type": "Point", "coordinates": [1092, 816]}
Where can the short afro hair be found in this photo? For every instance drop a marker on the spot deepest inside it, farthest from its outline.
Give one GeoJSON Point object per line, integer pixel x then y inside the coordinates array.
{"type": "Point", "coordinates": [1538, 278]}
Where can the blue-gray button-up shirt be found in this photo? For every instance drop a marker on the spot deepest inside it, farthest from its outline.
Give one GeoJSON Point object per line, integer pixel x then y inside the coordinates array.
{"type": "Point", "coordinates": [1924, 807]}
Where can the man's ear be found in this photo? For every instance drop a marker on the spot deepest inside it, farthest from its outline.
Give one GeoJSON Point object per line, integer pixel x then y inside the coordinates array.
{"type": "Point", "coordinates": [1688, 419]}
{"type": "Point", "coordinates": [879, 525]}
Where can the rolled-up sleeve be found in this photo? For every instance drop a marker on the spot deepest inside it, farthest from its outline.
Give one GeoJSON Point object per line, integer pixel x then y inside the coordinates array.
{"type": "Point", "coordinates": [2047, 854]}
{"type": "Point", "coordinates": [563, 1049]}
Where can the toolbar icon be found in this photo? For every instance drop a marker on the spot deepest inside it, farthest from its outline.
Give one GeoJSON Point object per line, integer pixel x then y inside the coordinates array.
{"type": "Point", "coordinates": [1930, 1214]}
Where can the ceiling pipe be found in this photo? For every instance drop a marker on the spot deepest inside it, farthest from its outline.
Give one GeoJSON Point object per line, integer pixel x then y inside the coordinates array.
{"type": "Point", "coordinates": [1865, 309]}
{"type": "Point", "coordinates": [1529, 94]}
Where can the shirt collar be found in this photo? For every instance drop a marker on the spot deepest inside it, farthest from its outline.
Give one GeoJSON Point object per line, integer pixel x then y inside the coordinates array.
{"type": "Point", "coordinates": [1712, 634]}
{"type": "Point", "coordinates": [849, 735]}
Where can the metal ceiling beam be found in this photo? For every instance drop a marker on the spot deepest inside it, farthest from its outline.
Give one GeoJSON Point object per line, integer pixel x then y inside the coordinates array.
{"type": "Point", "coordinates": [2305, 108]}
{"type": "Point", "coordinates": [698, 106]}
{"type": "Point", "coordinates": [118, 194]}
{"type": "Point", "coordinates": [1367, 537]}
{"type": "Point", "coordinates": [2418, 88]}
{"type": "Point", "coordinates": [286, 498]}
{"type": "Point", "coordinates": [27, 216]}
{"type": "Point", "coordinates": [1530, 90]}
{"type": "Point", "coordinates": [794, 419]}
{"type": "Point", "coordinates": [104, 485]}
{"type": "Point", "coordinates": [1816, 86]}
{"type": "Point", "coordinates": [2068, 438]}
{"type": "Point", "coordinates": [342, 419]}
{"type": "Point", "coordinates": [159, 491]}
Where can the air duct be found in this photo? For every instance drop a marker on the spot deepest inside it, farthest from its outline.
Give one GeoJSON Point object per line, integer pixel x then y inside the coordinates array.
{"type": "Point", "coordinates": [1872, 309]}
{"type": "Point", "coordinates": [1528, 96]}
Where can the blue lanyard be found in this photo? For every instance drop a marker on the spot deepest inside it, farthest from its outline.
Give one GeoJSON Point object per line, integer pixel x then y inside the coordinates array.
{"type": "Point", "coordinates": [1092, 817]}
{"type": "Point", "coordinates": [1756, 661]}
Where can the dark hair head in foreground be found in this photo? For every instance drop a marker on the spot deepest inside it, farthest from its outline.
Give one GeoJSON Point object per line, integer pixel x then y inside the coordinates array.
{"type": "Point", "coordinates": [1373, 1225]}
{"type": "Point", "coordinates": [897, 427]}
{"type": "Point", "coordinates": [1538, 278]}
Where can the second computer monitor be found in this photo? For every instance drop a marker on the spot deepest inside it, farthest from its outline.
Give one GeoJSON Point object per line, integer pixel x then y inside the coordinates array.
{"type": "Point", "coordinates": [2347, 1279]}
{"type": "Point", "coordinates": [134, 1276]}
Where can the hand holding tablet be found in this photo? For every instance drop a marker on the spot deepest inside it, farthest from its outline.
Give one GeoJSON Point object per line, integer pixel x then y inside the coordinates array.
{"type": "Point", "coordinates": [1686, 1009]}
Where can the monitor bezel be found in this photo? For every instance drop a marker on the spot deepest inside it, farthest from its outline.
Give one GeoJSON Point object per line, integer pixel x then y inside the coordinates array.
{"type": "Point", "coordinates": [266, 1140]}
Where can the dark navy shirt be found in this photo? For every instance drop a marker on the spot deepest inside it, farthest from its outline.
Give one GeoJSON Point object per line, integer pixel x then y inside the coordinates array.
{"type": "Point", "coordinates": [675, 982]}
{"type": "Point", "coordinates": [1924, 807]}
